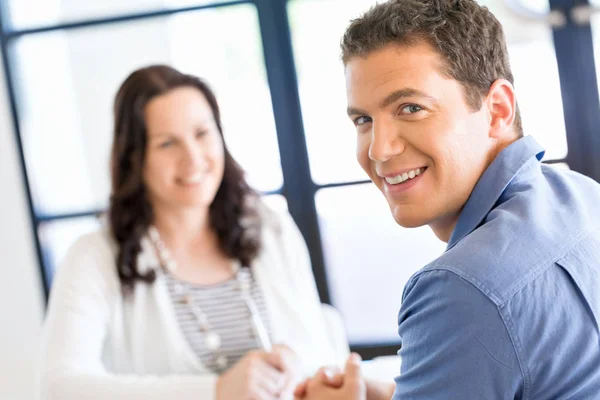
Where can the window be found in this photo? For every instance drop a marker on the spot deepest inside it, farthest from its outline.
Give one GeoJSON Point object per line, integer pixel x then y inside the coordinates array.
{"type": "Point", "coordinates": [533, 63]}
{"type": "Point", "coordinates": [32, 13]}
{"type": "Point", "coordinates": [57, 236]}
{"type": "Point", "coordinates": [366, 250]}
{"type": "Point", "coordinates": [275, 67]}
{"type": "Point", "coordinates": [65, 81]}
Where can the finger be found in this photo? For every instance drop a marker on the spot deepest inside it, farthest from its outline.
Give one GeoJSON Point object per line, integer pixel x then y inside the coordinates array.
{"type": "Point", "coordinates": [288, 384]}
{"type": "Point", "coordinates": [330, 376]}
{"type": "Point", "coordinates": [270, 379]}
{"type": "Point", "coordinates": [352, 370]}
{"type": "Point", "coordinates": [315, 384]}
{"type": "Point", "coordinates": [288, 390]}
{"type": "Point", "coordinates": [267, 370]}
{"type": "Point", "coordinates": [259, 393]}
{"type": "Point", "coordinates": [337, 380]}
{"type": "Point", "coordinates": [276, 360]}
{"type": "Point", "coordinates": [322, 375]}
{"type": "Point", "coordinates": [300, 390]}
{"type": "Point", "coordinates": [281, 348]}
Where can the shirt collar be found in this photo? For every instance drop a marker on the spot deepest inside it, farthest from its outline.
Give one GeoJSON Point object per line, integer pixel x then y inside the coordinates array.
{"type": "Point", "coordinates": [492, 184]}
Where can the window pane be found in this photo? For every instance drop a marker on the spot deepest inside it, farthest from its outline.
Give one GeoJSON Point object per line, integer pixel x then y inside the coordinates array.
{"type": "Point", "coordinates": [369, 259]}
{"type": "Point", "coordinates": [57, 236]}
{"type": "Point", "coordinates": [318, 25]}
{"type": "Point", "coordinates": [276, 202]}
{"type": "Point", "coordinates": [32, 13]}
{"type": "Point", "coordinates": [533, 62]}
{"type": "Point", "coordinates": [66, 82]}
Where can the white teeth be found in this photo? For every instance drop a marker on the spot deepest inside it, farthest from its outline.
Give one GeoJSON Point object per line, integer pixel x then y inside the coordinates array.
{"type": "Point", "coordinates": [192, 180]}
{"type": "Point", "coordinates": [404, 177]}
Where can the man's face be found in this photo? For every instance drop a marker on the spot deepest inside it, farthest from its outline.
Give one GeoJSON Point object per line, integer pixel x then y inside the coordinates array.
{"type": "Point", "coordinates": [417, 138]}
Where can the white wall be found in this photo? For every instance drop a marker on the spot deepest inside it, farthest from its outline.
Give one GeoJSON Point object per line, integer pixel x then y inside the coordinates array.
{"type": "Point", "coordinates": [21, 304]}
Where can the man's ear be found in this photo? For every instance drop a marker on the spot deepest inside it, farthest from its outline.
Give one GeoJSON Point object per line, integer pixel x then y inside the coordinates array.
{"type": "Point", "coordinates": [502, 107]}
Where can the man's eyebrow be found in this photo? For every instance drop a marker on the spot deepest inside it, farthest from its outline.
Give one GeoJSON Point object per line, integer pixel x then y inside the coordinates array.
{"type": "Point", "coordinates": [399, 94]}
{"type": "Point", "coordinates": [355, 111]}
{"type": "Point", "coordinates": [390, 99]}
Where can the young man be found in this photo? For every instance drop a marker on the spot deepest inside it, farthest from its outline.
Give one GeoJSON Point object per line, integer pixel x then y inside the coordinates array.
{"type": "Point", "coordinates": [511, 309]}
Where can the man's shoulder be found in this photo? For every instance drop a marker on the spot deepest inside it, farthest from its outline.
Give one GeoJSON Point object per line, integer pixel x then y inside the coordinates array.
{"type": "Point", "coordinates": [501, 264]}
{"type": "Point", "coordinates": [536, 222]}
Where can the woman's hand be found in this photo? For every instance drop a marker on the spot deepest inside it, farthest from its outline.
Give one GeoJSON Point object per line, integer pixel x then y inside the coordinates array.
{"type": "Point", "coordinates": [330, 384]}
{"type": "Point", "coordinates": [291, 369]}
{"type": "Point", "coordinates": [257, 376]}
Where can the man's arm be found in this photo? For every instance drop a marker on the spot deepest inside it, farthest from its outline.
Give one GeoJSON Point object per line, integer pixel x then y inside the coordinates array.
{"type": "Point", "coordinates": [455, 344]}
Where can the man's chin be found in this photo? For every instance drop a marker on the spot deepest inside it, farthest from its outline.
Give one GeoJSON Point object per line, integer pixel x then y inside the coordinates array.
{"type": "Point", "coordinates": [408, 220]}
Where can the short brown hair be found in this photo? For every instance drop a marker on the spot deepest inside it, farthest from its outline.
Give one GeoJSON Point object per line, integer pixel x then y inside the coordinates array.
{"type": "Point", "coordinates": [467, 36]}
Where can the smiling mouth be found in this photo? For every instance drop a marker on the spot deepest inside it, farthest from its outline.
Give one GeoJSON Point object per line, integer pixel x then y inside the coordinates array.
{"type": "Point", "coordinates": [191, 180]}
{"type": "Point", "coordinates": [405, 177]}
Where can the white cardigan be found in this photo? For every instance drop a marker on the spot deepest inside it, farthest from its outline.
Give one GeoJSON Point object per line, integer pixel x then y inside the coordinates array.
{"type": "Point", "coordinates": [100, 345]}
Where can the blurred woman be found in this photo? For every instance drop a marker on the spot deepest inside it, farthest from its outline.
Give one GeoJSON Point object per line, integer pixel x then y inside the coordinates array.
{"type": "Point", "coordinates": [193, 289]}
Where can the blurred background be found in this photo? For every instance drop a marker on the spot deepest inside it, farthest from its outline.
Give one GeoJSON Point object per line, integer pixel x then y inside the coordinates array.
{"type": "Point", "coordinates": [275, 67]}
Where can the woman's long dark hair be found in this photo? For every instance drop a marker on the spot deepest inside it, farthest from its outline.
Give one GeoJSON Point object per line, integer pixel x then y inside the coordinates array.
{"type": "Point", "coordinates": [233, 214]}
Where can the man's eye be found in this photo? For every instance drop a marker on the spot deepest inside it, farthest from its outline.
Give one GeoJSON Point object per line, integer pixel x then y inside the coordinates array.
{"type": "Point", "coordinates": [362, 120]}
{"type": "Point", "coordinates": [411, 109]}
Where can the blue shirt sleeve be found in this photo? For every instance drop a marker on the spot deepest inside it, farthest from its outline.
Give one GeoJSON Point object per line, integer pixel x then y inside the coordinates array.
{"type": "Point", "coordinates": [455, 344]}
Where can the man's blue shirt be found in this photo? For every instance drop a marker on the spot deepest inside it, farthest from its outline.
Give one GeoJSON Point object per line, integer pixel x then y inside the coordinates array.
{"type": "Point", "coordinates": [511, 310]}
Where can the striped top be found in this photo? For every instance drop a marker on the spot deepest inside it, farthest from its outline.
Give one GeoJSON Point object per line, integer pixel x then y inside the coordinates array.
{"type": "Point", "coordinates": [226, 312]}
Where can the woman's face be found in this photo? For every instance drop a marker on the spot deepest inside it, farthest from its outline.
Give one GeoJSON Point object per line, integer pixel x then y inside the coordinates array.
{"type": "Point", "coordinates": [185, 157]}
